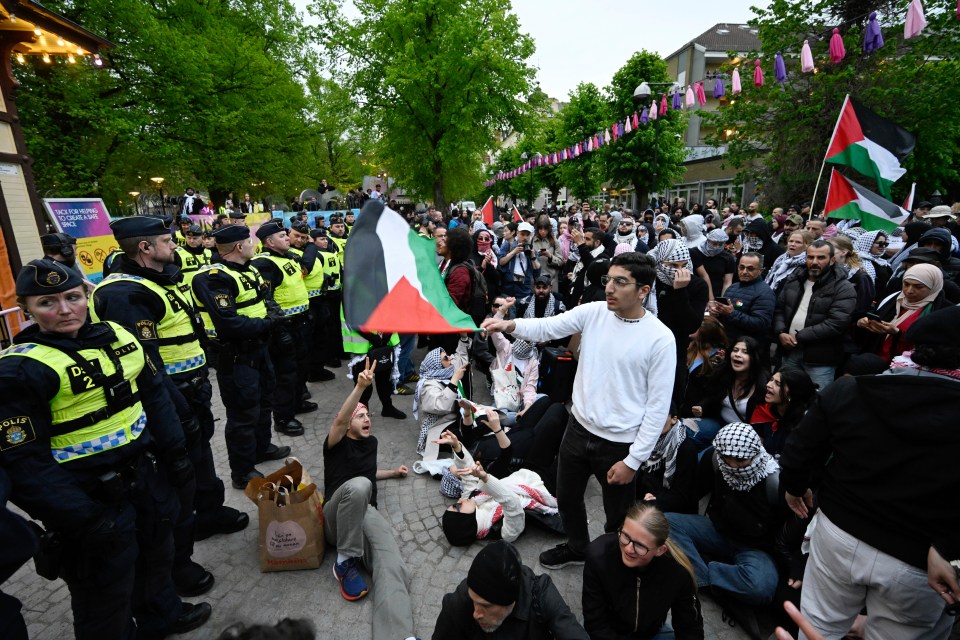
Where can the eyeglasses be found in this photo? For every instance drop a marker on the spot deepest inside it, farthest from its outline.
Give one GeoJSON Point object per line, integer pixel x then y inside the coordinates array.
{"type": "Point", "coordinates": [882, 244]}
{"type": "Point", "coordinates": [618, 281]}
{"type": "Point", "coordinates": [638, 547]}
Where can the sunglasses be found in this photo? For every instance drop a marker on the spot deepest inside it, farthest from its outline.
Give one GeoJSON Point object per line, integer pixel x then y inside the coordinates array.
{"type": "Point", "coordinates": [882, 244]}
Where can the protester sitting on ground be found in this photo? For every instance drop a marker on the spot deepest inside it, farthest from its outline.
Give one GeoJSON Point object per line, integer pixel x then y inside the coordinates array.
{"type": "Point", "coordinates": [790, 261]}
{"type": "Point", "coordinates": [633, 578]}
{"type": "Point", "coordinates": [921, 294]}
{"type": "Point", "coordinates": [732, 393]}
{"type": "Point", "coordinates": [668, 478]}
{"type": "Point", "coordinates": [788, 394]}
{"type": "Point", "coordinates": [436, 396]}
{"type": "Point", "coordinates": [730, 547]}
{"type": "Point", "coordinates": [488, 504]}
{"type": "Point", "coordinates": [500, 595]}
{"type": "Point", "coordinates": [747, 306]}
{"type": "Point", "coordinates": [518, 356]}
{"type": "Point", "coordinates": [706, 352]}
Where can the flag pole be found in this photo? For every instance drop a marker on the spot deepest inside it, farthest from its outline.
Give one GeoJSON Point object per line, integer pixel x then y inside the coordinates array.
{"type": "Point", "coordinates": [816, 188]}
{"type": "Point", "coordinates": [823, 164]}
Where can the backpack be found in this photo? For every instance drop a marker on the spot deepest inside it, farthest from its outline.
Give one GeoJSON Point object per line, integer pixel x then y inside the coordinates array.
{"type": "Point", "coordinates": [477, 306]}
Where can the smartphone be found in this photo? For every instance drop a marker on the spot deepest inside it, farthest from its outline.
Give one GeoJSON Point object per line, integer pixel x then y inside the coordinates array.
{"type": "Point", "coordinates": [873, 316]}
{"type": "Point", "coordinates": [723, 301]}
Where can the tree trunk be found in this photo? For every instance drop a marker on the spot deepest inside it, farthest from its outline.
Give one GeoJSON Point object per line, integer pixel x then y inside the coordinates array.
{"type": "Point", "coordinates": [439, 199]}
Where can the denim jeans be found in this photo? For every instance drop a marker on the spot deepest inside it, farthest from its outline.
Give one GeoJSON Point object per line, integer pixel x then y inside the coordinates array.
{"type": "Point", "coordinates": [703, 437]}
{"type": "Point", "coordinates": [821, 375]}
{"type": "Point", "coordinates": [582, 455]}
{"type": "Point", "coordinates": [408, 341]}
{"type": "Point", "coordinates": [743, 571]}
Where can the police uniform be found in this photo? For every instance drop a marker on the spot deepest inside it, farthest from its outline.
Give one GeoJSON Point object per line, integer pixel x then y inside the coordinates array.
{"type": "Point", "coordinates": [290, 340]}
{"type": "Point", "coordinates": [190, 259]}
{"type": "Point", "coordinates": [18, 543]}
{"type": "Point", "coordinates": [79, 418]}
{"type": "Point", "coordinates": [312, 262]}
{"type": "Point", "coordinates": [233, 300]}
{"type": "Point", "coordinates": [334, 267]}
{"type": "Point", "coordinates": [157, 306]}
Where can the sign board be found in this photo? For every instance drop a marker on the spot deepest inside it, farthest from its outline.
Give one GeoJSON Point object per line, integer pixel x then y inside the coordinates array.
{"type": "Point", "coordinates": [87, 220]}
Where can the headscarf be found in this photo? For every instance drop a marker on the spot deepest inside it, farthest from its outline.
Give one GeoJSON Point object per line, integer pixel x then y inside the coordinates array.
{"type": "Point", "coordinates": [862, 246]}
{"type": "Point", "coordinates": [669, 251]}
{"type": "Point", "coordinates": [739, 440]}
{"type": "Point", "coordinates": [662, 218]}
{"type": "Point", "coordinates": [926, 274]}
{"type": "Point", "coordinates": [482, 248]}
{"type": "Point", "coordinates": [430, 369]}
{"type": "Point", "coordinates": [783, 266]}
{"type": "Point", "coordinates": [630, 238]}
{"type": "Point", "coordinates": [665, 452]}
{"type": "Point", "coordinates": [715, 235]}
{"type": "Point", "coordinates": [623, 247]}
{"type": "Point", "coordinates": [853, 233]}
{"type": "Point", "coordinates": [693, 230]}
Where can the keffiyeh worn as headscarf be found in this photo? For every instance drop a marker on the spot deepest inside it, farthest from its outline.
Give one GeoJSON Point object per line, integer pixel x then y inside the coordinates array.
{"type": "Point", "coordinates": [715, 235]}
{"type": "Point", "coordinates": [523, 350]}
{"type": "Point", "coordinates": [665, 452]}
{"type": "Point", "coordinates": [669, 251]}
{"type": "Point", "coordinates": [739, 440]}
{"type": "Point", "coordinates": [664, 221]}
{"type": "Point", "coordinates": [862, 246]}
{"type": "Point", "coordinates": [430, 369]}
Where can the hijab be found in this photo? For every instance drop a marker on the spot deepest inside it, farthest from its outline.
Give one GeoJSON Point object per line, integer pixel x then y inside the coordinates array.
{"type": "Point", "coordinates": [693, 230]}
{"type": "Point", "coordinates": [739, 440]}
{"type": "Point", "coordinates": [430, 369]}
{"type": "Point", "coordinates": [926, 274]}
{"type": "Point", "coordinates": [670, 251]}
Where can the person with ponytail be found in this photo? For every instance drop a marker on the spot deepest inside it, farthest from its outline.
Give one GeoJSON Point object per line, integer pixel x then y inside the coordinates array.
{"type": "Point", "coordinates": [634, 577]}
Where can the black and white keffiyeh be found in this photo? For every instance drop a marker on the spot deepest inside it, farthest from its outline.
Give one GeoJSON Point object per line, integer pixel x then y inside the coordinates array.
{"type": "Point", "coordinates": [430, 369]}
{"type": "Point", "coordinates": [739, 440]}
{"type": "Point", "coordinates": [862, 246]}
{"type": "Point", "coordinates": [670, 251]}
{"type": "Point", "coordinates": [665, 452]}
{"type": "Point", "coordinates": [783, 266]}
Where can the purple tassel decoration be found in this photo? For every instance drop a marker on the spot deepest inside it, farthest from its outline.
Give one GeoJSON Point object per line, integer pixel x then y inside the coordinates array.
{"type": "Point", "coordinates": [779, 69]}
{"type": "Point", "coordinates": [718, 90]}
{"type": "Point", "coordinates": [872, 37]}
{"type": "Point", "coordinates": [644, 116]}
{"type": "Point", "coordinates": [677, 101]}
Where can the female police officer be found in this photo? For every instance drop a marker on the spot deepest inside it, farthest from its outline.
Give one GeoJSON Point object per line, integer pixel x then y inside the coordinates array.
{"type": "Point", "coordinates": [92, 444]}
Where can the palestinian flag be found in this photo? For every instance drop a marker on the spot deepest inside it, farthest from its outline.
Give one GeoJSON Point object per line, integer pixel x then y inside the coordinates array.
{"type": "Point", "coordinates": [516, 214]}
{"type": "Point", "coordinates": [847, 199]}
{"type": "Point", "coordinates": [391, 281]}
{"type": "Point", "coordinates": [872, 145]}
{"type": "Point", "coordinates": [487, 211]}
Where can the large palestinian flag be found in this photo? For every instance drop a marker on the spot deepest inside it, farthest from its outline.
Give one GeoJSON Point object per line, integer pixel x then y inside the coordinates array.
{"type": "Point", "coordinates": [847, 199]}
{"type": "Point", "coordinates": [391, 281]}
{"type": "Point", "coordinates": [871, 144]}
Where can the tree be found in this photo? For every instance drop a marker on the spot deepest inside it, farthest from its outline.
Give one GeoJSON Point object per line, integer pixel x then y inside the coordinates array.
{"type": "Point", "coordinates": [337, 134]}
{"type": "Point", "coordinates": [435, 79]}
{"type": "Point", "coordinates": [585, 114]}
{"type": "Point", "coordinates": [782, 131]}
{"type": "Point", "coordinates": [651, 158]}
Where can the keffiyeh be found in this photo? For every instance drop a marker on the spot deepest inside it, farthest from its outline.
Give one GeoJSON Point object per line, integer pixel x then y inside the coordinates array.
{"type": "Point", "coordinates": [430, 369]}
{"type": "Point", "coordinates": [670, 251]}
{"type": "Point", "coordinates": [715, 236]}
{"type": "Point", "coordinates": [665, 452]}
{"type": "Point", "coordinates": [782, 267]}
{"type": "Point", "coordinates": [739, 440]}
{"type": "Point", "coordinates": [862, 246]}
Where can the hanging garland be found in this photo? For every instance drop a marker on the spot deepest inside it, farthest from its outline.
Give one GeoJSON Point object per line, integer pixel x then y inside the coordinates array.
{"type": "Point", "coordinates": [695, 96]}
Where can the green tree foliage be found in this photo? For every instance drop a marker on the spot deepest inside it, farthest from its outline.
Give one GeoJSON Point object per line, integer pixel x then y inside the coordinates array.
{"type": "Point", "coordinates": [782, 131]}
{"type": "Point", "coordinates": [650, 159]}
{"type": "Point", "coordinates": [339, 136]}
{"type": "Point", "coordinates": [585, 114]}
{"type": "Point", "coordinates": [202, 92]}
{"type": "Point", "coordinates": [435, 79]}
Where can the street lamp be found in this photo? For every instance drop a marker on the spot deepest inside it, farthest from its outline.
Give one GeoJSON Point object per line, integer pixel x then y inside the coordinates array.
{"type": "Point", "coordinates": [159, 183]}
{"type": "Point", "coordinates": [136, 205]}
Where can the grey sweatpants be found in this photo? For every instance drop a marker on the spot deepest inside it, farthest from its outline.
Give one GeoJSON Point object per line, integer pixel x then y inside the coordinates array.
{"type": "Point", "coordinates": [358, 530]}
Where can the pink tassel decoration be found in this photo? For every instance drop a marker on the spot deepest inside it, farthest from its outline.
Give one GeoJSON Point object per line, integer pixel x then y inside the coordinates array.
{"type": "Point", "coordinates": [590, 145]}
{"type": "Point", "coordinates": [636, 120]}
{"type": "Point", "coordinates": [627, 128]}
{"type": "Point", "coordinates": [806, 58]}
{"type": "Point", "coordinates": [757, 73]}
{"type": "Point", "coordinates": [653, 110]}
{"type": "Point", "coordinates": [663, 104]}
{"type": "Point", "coordinates": [837, 51]}
{"type": "Point", "coordinates": [735, 87]}
{"type": "Point", "coordinates": [915, 21]}
{"type": "Point", "coordinates": [606, 137]}
{"type": "Point", "coordinates": [613, 128]}
{"type": "Point", "coordinates": [689, 99]}
{"type": "Point", "coordinates": [701, 96]}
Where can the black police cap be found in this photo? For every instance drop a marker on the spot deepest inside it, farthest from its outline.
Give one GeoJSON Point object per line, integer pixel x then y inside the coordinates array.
{"type": "Point", "coordinates": [336, 218]}
{"type": "Point", "coordinates": [57, 240]}
{"type": "Point", "coordinates": [195, 230]}
{"type": "Point", "coordinates": [236, 214]}
{"type": "Point", "coordinates": [267, 229]}
{"type": "Point", "coordinates": [230, 233]}
{"type": "Point", "coordinates": [301, 227]}
{"type": "Point", "coordinates": [140, 226]}
{"type": "Point", "coordinates": [42, 277]}
{"type": "Point", "coordinates": [318, 233]}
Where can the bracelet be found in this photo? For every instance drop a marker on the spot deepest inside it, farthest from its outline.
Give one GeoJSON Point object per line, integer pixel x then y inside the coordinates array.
{"type": "Point", "coordinates": [496, 432]}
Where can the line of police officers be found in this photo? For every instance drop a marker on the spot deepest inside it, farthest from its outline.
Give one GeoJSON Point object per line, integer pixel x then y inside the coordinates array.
{"type": "Point", "coordinates": [106, 421]}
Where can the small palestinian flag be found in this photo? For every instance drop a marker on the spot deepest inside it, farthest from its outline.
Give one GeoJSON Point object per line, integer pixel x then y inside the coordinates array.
{"type": "Point", "coordinates": [516, 215]}
{"type": "Point", "coordinates": [391, 281]}
{"type": "Point", "coordinates": [487, 211]}
{"type": "Point", "coordinates": [847, 199]}
{"type": "Point", "coordinates": [872, 145]}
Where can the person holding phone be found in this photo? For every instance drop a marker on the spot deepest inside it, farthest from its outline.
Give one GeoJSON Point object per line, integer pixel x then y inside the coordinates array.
{"type": "Point", "coordinates": [746, 308]}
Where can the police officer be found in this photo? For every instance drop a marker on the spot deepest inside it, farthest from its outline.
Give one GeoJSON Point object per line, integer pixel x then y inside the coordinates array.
{"type": "Point", "coordinates": [18, 543]}
{"type": "Point", "coordinates": [193, 255]}
{"type": "Point", "coordinates": [91, 443]}
{"type": "Point", "coordinates": [238, 313]}
{"type": "Point", "coordinates": [312, 264]}
{"type": "Point", "coordinates": [338, 234]}
{"type": "Point", "coordinates": [180, 235]}
{"type": "Point", "coordinates": [290, 339]}
{"type": "Point", "coordinates": [210, 248]}
{"type": "Point", "coordinates": [62, 248]}
{"type": "Point", "coordinates": [148, 296]}
{"type": "Point", "coordinates": [333, 272]}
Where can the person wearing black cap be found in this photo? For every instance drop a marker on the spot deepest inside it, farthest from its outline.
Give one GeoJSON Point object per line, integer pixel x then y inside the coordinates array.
{"type": "Point", "coordinates": [238, 313]}
{"type": "Point", "coordinates": [235, 217]}
{"type": "Point", "coordinates": [329, 342]}
{"type": "Point", "coordinates": [885, 497]}
{"type": "Point", "coordinates": [61, 248]}
{"type": "Point", "coordinates": [290, 339]}
{"type": "Point", "coordinates": [94, 447]}
{"type": "Point", "coordinates": [501, 595]}
{"type": "Point", "coordinates": [312, 263]}
{"type": "Point", "coordinates": [338, 233]}
{"type": "Point", "coordinates": [192, 255]}
{"type": "Point", "coordinates": [147, 295]}
{"type": "Point", "coordinates": [543, 303]}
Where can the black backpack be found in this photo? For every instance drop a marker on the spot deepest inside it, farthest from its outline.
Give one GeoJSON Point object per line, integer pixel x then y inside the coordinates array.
{"type": "Point", "coordinates": [477, 306]}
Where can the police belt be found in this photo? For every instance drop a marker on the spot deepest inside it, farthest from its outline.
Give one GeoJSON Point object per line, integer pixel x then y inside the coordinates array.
{"type": "Point", "coordinates": [247, 345]}
{"type": "Point", "coordinates": [120, 481]}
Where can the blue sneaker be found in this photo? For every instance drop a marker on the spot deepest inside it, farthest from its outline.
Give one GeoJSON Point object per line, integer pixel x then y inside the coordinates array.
{"type": "Point", "coordinates": [352, 584]}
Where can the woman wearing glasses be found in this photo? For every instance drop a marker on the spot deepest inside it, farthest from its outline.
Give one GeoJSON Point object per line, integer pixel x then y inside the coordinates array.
{"type": "Point", "coordinates": [633, 577]}
{"type": "Point", "coordinates": [871, 246]}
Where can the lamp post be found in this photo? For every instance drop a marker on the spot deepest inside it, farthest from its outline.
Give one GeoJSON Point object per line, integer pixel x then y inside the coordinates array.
{"type": "Point", "coordinates": [159, 183]}
{"type": "Point", "coordinates": [641, 94]}
{"type": "Point", "coordinates": [136, 205]}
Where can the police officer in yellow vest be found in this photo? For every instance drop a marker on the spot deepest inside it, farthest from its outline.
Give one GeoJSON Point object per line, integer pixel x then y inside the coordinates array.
{"type": "Point", "coordinates": [338, 234]}
{"type": "Point", "coordinates": [148, 296]}
{"type": "Point", "coordinates": [334, 299]}
{"type": "Point", "coordinates": [238, 314]}
{"type": "Point", "coordinates": [193, 255]}
{"type": "Point", "coordinates": [92, 444]}
{"type": "Point", "coordinates": [312, 264]}
{"type": "Point", "coordinates": [377, 347]}
{"type": "Point", "coordinates": [290, 348]}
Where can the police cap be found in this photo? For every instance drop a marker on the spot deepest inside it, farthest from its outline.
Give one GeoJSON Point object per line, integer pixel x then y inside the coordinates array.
{"type": "Point", "coordinates": [318, 233]}
{"type": "Point", "coordinates": [42, 277]}
{"type": "Point", "coordinates": [230, 233]}
{"type": "Point", "coordinates": [336, 218]}
{"type": "Point", "coordinates": [195, 231]}
{"type": "Point", "coordinates": [301, 227]}
{"type": "Point", "coordinates": [236, 214]}
{"type": "Point", "coordinates": [57, 240]}
{"type": "Point", "coordinates": [267, 229]}
{"type": "Point", "coordinates": [140, 227]}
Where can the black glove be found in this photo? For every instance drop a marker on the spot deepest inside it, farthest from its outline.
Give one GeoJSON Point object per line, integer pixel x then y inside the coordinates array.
{"type": "Point", "coordinates": [191, 430]}
{"type": "Point", "coordinates": [284, 337]}
{"type": "Point", "coordinates": [179, 467]}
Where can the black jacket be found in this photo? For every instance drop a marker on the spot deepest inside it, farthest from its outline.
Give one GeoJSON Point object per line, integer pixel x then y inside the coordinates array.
{"type": "Point", "coordinates": [621, 603]}
{"type": "Point", "coordinates": [682, 311]}
{"type": "Point", "coordinates": [681, 497]}
{"type": "Point", "coordinates": [828, 316]}
{"type": "Point", "coordinates": [886, 447]}
{"type": "Point", "coordinates": [770, 249]}
{"type": "Point", "coordinates": [550, 617]}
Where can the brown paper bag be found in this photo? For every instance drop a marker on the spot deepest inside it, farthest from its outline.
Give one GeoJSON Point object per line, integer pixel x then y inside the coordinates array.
{"type": "Point", "coordinates": [291, 519]}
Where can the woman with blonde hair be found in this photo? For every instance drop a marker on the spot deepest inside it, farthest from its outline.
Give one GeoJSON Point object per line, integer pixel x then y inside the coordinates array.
{"type": "Point", "coordinates": [850, 262]}
{"type": "Point", "coordinates": [634, 577]}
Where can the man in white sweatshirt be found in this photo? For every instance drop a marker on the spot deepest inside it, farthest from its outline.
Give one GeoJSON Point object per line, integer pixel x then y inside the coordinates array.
{"type": "Point", "coordinates": [621, 396]}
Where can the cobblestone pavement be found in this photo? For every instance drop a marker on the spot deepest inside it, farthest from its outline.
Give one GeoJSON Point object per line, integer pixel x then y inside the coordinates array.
{"type": "Point", "coordinates": [243, 593]}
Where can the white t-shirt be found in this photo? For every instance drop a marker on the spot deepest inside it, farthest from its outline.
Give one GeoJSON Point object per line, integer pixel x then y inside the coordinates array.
{"type": "Point", "coordinates": [625, 375]}
{"type": "Point", "coordinates": [799, 320]}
